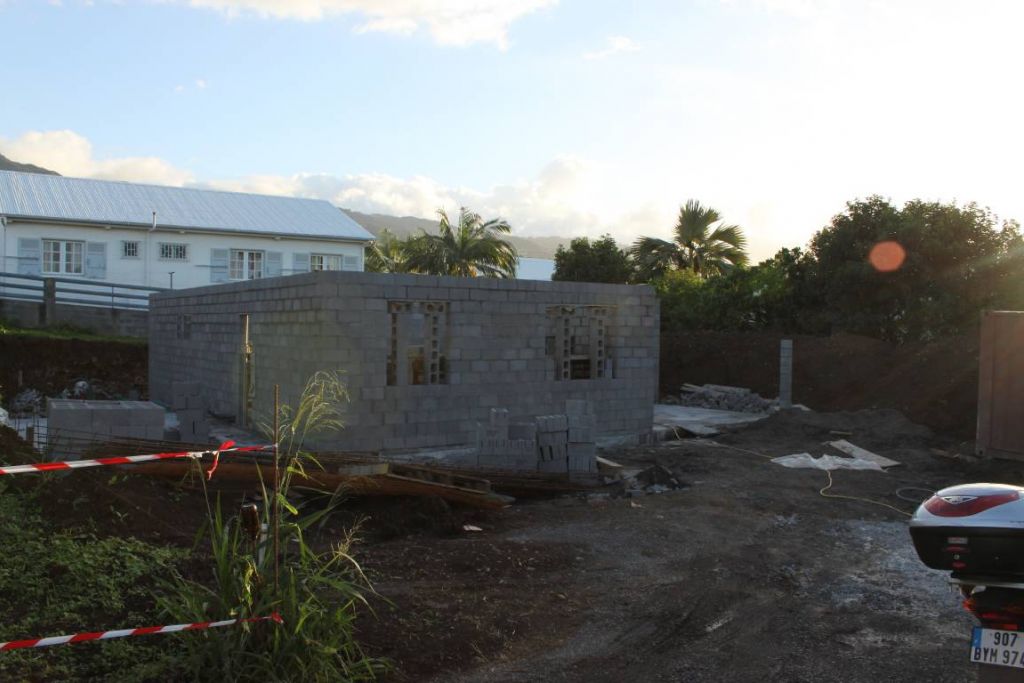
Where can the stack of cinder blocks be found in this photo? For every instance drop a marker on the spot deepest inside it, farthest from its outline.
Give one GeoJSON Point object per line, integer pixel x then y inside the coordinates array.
{"type": "Point", "coordinates": [72, 424]}
{"type": "Point", "coordinates": [190, 407]}
{"type": "Point", "coordinates": [504, 446]}
{"type": "Point", "coordinates": [581, 449]}
{"type": "Point", "coordinates": [552, 442]}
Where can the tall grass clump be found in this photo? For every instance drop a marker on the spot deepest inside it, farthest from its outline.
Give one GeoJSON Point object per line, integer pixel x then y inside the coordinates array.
{"type": "Point", "coordinates": [317, 592]}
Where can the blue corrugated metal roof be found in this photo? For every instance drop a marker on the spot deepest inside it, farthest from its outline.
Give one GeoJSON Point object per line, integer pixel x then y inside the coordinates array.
{"type": "Point", "coordinates": [41, 197]}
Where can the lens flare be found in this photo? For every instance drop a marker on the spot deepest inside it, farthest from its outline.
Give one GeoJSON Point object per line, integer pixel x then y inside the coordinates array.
{"type": "Point", "coordinates": [887, 256]}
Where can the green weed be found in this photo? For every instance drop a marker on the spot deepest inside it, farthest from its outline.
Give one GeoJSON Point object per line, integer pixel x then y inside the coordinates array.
{"type": "Point", "coordinates": [317, 592]}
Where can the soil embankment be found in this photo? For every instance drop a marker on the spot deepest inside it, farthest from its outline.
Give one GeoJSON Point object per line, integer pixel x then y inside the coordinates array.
{"type": "Point", "coordinates": [934, 384]}
{"type": "Point", "coordinates": [114, 368]}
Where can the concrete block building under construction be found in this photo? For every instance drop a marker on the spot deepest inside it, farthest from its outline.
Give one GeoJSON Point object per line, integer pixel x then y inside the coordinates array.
{"type": "Point", "coordinates": [425, 358]}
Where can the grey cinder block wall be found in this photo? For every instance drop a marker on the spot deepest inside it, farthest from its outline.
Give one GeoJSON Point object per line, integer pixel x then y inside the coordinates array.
{"type": "Point", "coordinates": [424, 358]}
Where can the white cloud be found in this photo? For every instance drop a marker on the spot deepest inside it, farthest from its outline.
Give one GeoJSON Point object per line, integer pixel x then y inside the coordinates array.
{"type": "Point", "coordinates": [201, 83]}
{"type": "Point", "coordinates": [616, 45]}
{"type": "Point", "coordinates": [71, 154]}
{"type": "Point", "coordinates": [179, 88]}
{"type": "Point", "coordinates": [449, 22]}
{"type": "Point", "coordinates": [568, 197]}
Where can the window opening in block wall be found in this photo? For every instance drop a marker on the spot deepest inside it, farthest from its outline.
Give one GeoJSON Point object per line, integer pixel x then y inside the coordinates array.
{"type": "Point", "coordinates": [184, 326]}
{"type": "Point", "coordinates": [579, 343]}
{"type": "Point", "coordinates": [418, 342]}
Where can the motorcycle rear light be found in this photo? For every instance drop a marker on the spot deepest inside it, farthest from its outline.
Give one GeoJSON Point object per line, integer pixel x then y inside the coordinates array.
{"type": "Point", "coordinates": [964, 506]}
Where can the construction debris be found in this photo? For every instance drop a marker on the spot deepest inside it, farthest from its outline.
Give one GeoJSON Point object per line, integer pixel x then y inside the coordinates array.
{"type": "Point", "coordinates": [844, 446]}
{"type": "Point", "coordinates": [654, 479]}
{"type": "Point", "coordinates": [353, 478]}
{"type": "Point", "coordinates": [27, 401]}
{"type": "Point", "coordinates": [718, 397]}
{"type": "Point", "coordinates": [607, 467]}
{"type": "Point", "coordinates": [825, 462]}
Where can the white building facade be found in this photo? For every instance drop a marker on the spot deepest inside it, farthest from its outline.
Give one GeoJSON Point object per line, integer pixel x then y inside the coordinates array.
{"type": "Point", "coordinates": [132, 234]}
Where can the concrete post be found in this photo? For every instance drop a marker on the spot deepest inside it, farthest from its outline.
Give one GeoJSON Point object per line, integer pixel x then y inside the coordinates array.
{"type": "Point", "coordinates": [786, 373]}
{"type": "Point", "coordinates": [49, 301]}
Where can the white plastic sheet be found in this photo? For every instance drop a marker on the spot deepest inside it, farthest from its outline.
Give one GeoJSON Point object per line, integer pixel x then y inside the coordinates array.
{"type": "Point", "coordinates": [826, 462]}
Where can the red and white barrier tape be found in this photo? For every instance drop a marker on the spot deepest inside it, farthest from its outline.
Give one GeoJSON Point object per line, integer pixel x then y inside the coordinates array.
{"type": "Point", "coordinates": [127, 632]}
{"type": "Point", "coordinates": [226, 447]}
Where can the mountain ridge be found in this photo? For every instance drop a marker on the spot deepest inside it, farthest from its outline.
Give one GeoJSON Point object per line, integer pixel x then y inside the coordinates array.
{"type": "Point", "coordinates": [11, 165]}
{"type": "Point", "coordinates": [404, 226]}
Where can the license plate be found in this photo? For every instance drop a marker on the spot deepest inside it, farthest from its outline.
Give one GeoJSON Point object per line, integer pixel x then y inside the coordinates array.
{"type": "Point", "coordinates": [1002, 648]}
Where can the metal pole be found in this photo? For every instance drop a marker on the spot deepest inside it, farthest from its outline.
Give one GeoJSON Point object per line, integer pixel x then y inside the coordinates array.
{"type": "Point", "coordinates": [277, 493]}
{"type": "Point", "coordinates": [786, 373]}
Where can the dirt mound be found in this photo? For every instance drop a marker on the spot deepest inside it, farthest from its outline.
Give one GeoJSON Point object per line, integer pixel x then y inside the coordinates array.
{"type": "Point", "coordinates": [933, 384]}
{"type": "Point", "coordinates": [880, 428]}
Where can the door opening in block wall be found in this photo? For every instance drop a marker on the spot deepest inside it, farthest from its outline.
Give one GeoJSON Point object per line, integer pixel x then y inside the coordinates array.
{"type": "Point", "coordinates": [247, 383]}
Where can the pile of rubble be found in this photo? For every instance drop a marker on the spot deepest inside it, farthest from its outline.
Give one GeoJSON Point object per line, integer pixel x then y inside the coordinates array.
{"type": "Point", "coordinates": [28, 401]}
{"type": "Point", "coordinates": [718, 397]}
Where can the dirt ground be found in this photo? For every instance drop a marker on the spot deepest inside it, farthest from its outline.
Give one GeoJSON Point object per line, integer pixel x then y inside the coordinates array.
{"type": "Point", "coordinates": [747, 574]}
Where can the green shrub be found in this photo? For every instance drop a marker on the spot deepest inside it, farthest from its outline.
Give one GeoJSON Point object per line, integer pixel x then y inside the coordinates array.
{"type": "Point", "coordinates": [63, 582]}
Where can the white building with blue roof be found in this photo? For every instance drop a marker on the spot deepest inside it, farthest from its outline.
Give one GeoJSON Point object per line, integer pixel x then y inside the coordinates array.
{"type": "Point", "coordinates": [134, 234]}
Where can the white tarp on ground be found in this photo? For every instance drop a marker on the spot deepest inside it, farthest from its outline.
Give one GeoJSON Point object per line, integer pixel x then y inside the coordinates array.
{"type": "Point", "coordinates": [826, 462]}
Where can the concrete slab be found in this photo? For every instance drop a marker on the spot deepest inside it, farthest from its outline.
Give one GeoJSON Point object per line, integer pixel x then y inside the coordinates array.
{"type": "Point", "coordinates": [700, 421]}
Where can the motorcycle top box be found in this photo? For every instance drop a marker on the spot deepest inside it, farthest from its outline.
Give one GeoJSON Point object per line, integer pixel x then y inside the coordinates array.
{"type": "Point", "coordinates": [972, 529]}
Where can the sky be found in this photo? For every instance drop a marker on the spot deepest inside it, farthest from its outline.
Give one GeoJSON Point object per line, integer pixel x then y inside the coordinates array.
{"type": "Point", "coordinates": [566, 117]}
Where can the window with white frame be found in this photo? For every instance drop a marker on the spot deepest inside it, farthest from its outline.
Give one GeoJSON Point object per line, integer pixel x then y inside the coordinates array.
{"type": "Point", "coordinates": [324, 262]}
{"type": "Point", "coordinates": [129, 249]}
{"type": "Point", "coordinates": [61, 257]}
{"type": "Point", "coordinates": [245, 265]}
{"type": "Point", "coordinates": [173, 251]}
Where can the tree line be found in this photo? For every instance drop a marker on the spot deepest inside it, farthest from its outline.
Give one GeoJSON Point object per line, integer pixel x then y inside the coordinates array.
{"type": "Point", "coordinates": [910, 273]}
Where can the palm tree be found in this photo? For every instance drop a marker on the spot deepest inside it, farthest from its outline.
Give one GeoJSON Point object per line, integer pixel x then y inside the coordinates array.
{"type": "Point", "coordinates": [387, 254]}
{"type": "Point", "coordinates": [698, 245]}
{"type": "Point", "coordinates": [470, 248]}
